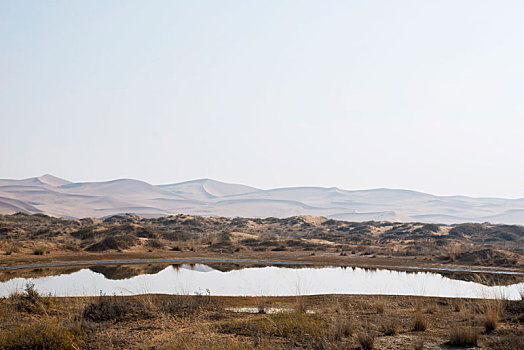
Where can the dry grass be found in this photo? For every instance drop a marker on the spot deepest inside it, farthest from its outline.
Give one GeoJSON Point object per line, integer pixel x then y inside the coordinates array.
{"type": "Point", "coordinates": [390, 327]}
{"type": "Point", "coordinates": [29, 300]}
{"type": "Point", "coordinates": [464, 336]}
{"type": "Point", "coordinates": [366, 341]}
{"type": "Point", "coordinates": [43, 335]}
{"type": "Point", "coordinates": [204, 322]}
{"type": "Point", "coordinates": [185, 305]}
{"type": "Point", "coordinates": [340, 328]}
{"type": "Point", "coordinates": [287, 324]}
{"type": "Point", "coordinates": [117, 309]}
{"type": "Point", "coordinates": [206, 342]}
{"type": "Point", "coordinates": [380, 306]}
{"type": "Point", "coordinates": [420, 324]}
{"type": "Point", "coordinates": [491, 317]}
{"type": "Point", "coordinates": [107, 309]}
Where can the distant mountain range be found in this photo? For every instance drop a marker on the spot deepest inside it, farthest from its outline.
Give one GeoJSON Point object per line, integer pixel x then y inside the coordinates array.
{"type": "Point", "coordinates": [57, 197]}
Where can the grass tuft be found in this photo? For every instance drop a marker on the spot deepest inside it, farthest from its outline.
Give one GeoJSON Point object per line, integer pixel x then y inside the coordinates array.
{"type": "Point", "coordinates": [420, 324]}
{"type": "Point", "coordinates": [463, 336]}
{"type": "Point", "coordinates": [366, 341]}
{"type": "Point", "coordinates": [115, 309]}
{"type": "Point", "coordinates": [44, 335]}
{"type": "Point", "coordinates": [340, 328]}
{"type": "Point", "coordinates": [287, 324]}
{"type": "Point", "coordinates": [29, 300]}
{"type": "Point", "coordinates": [491, 318]}
{"type": "Point", "coordinates": [390, 328]}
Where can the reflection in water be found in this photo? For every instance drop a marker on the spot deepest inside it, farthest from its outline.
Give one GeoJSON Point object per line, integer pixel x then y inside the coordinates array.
{"type": "Point", "coordinates": [7, 275]}
{"type": "Point", "coordinates": [256, 281]}
{"type": "Point", "coordinates": [120, 272]}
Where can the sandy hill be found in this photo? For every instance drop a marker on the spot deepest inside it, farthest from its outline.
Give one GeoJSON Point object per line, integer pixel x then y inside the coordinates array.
{"type": "Point", "coordinates": [58, 197]}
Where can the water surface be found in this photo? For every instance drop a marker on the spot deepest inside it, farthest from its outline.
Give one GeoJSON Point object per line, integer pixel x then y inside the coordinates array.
{"type": "Point", "coordinates": [259, 281]}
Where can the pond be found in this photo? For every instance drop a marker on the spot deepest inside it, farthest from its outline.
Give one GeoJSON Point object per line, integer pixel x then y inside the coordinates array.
{"type": "Point", "coordinates": [250, 281]}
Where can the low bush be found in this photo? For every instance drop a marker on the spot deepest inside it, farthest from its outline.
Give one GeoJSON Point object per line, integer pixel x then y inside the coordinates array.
{"type": "Point", "coordinates": [118, 242]}
{"type": "Point", "coordinates": [340, 328]}
{"type": "Point", "coordinates": [390, 328]}
{"type": "Point", "coordinates": [29, 300]}
{"type": "Point", "coordinates": [154, 243]}
{"type": "Point", "coordinates": [366, 341]}
{"type": "Point", "coordinates": [491, 318]}
{"type": "Point", "coordinates": [380, 306]}
{"type": "Point", "coordinates": [115, 309]}
{"type": "Point", "coordinates": [420, 324]}
{"type": "Point", "coordinates": [463, 336]}
{"type": "Point", "coordinates": [185, 305]}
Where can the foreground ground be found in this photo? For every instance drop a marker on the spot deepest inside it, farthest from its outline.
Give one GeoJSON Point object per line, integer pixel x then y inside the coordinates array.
{"type": "Point", "coordinates": [29, 321]}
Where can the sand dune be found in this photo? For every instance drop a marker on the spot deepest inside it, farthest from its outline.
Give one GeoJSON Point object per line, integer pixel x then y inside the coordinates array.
{"type": "Point", "coordinates": [58, 197]}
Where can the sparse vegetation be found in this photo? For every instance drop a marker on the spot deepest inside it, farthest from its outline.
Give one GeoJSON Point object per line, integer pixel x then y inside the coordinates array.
{"type": "Point", "coordinates": [420, 323]}
{"type": "Point", "coordinates": [39, 336]}
{"type": "Point", "coordinates": [464, 336]}
{"type": "Point", "coordinates": [206, 322]}
{"type": "Point", "coordinates": [390, 327]}
{"type": "Point", "coordinates": [29, 300]}
{"type": "Point", "coordinates": [492, 315]}
{"type": "Point", "coordinates": [366, 341]}
{"type": "Point", "coordinates": [303, 322]}
{"type": "Point", "coordinates": [471, 244]}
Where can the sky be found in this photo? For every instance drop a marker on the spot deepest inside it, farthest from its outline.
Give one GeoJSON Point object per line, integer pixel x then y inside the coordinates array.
{"type": "Point", "coordinates": [421, 95]}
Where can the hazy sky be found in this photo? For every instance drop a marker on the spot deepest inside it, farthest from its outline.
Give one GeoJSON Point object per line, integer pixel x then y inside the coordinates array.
{"type": "Point", "coordinates": [423, 95]}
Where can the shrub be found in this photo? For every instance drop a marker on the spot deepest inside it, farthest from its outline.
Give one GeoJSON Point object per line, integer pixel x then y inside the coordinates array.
{"type": "Point", "coordinates": [420, 324]}
{"type": "Point", "coordinates": [106, 309]}
{"type": "Point", "coordinates": [491, 320]}
{"type": "Point", "coordinates": [419, 345]}
{"type": "Point", "coordinates": [118, 242]}
{"type": "Point", "coordinates": [154, 243]}
{"type": "Point", "coordinates": [29, 300]}
{"type": "Point", "coordinates": [380, 306]}
{"type": "Point", "coordinates": [390, 328]}
{"type": "Point", "coordinates": [463, 336]}
{"type": "Point", "coordinates": [366, 341]}
{"type": "Point", "coordinates": [115, 309]}
{"type": "Point", "coordinates": [341, 327]}
{"type": "Point", "coordinates": [40, 336]}
{"type": "Point", "coordinates": [185, 305]}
